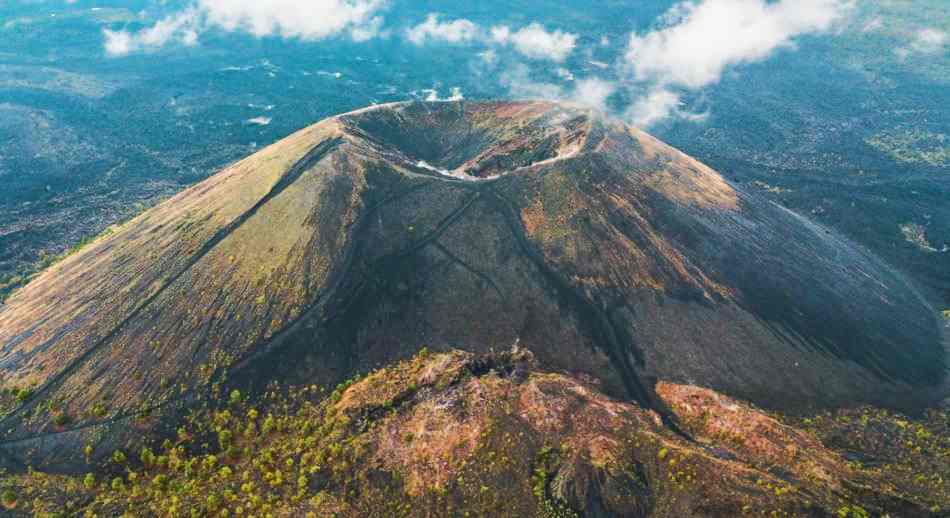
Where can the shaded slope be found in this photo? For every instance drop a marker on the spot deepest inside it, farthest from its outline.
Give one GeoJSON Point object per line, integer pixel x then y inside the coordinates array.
{"type": "Point", "coordinates": [342, 247]}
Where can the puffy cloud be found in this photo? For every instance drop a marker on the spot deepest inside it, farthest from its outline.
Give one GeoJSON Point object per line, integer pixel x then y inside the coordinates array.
{"type": "Point", "coordinates": [657, 105]}
{"type": "Point", "coordinates": [118, 43]}
{"type": "Point", "coordinates": [456, 31]}
{"type": "Point", "coordinates": [455, 94]}
{"type": "Point", "coordinates": [925, 41]}
{"type": "Point", "coordinates": [182, 28]}
{"type": "Point", "coordinates": [532, 41]}
{"type": "Point", "coordinates": [501, 34]}
{"type": "Point", "coordinates": [258, 121]}
{"type": "Point", "coordinates": [535, 42]}
{"type": "Point", "coordinates": [591, 92]}
{"type": "Point", "coordinates": [518, 81]}
{"type": "Point", "coordinates": [564, 74]}
{"type": "Point", "coordinates": [693, 44]}
{"type": "Point", "coordinates": [700, 40]}
{"type": "Point", "coordinates": [302, 19]}
{"type": "Point", "coordinates": [369, 30]}
{"type": "Point", "coordinates": [697, 42]}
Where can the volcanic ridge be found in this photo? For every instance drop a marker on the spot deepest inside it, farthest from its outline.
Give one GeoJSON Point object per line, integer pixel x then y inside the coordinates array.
{"type": "Point", "coordinates": [610, 256]}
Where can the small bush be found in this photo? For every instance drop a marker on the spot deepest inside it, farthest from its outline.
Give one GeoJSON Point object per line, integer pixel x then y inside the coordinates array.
{"type": "Point", "coordinates": [60, 419]}
{"type": "Point", "coordinates": [8, 498]}
{"type": "Point", "coordinates": [23, 394]}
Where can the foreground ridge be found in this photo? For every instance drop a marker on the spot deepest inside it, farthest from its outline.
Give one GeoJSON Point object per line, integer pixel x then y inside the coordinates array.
{"type": "Point", "coordinates": [492, 435]}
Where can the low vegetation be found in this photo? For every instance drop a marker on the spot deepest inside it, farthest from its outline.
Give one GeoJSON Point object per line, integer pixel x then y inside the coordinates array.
{"type": "Point", "coordinates": [914, 146]}
{"type": "Point", "coordinates": [452, 434]}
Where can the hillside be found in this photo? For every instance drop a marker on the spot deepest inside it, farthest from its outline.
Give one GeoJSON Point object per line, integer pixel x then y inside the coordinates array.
{"type": "Point", "coordinates": [606, 253]}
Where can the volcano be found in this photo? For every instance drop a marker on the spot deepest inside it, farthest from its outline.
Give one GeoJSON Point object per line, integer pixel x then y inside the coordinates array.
{"type": "Point", "coordinates": [472, 225]}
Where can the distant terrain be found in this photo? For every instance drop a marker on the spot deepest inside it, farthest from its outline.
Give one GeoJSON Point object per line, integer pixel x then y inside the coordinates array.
{"type": "Point", "coordinates": [844, 128]}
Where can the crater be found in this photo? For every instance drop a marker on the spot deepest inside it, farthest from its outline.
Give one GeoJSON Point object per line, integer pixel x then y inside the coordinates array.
{"type": "Point", "coordinates": [473, 141]}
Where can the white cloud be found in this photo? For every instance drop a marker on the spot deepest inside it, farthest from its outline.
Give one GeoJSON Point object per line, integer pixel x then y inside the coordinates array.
{"type": "Point", "coordinates": [456, 31]}
{"type": "Point", "coordinates": [520, 84]}
{"type": "Point", "coordinates": [701, 40]}
{"type": "Point", "coordinates": [304, 19]}
{"type": "Point", "coordinates": [369, 30]}
{"type": "Point", "coordinates": [501, 34]}
{"type": "Point", "coordinates": [925, 41]}
{"type": "Point", "coordinates": [591, 92]}
{"type": "Point", "coordinates": [301, 19]}
{"type": "Point", "coordinates": [182, 28]}
{"type": "Point", "coordinates": [536, 42]}
{"type": "Point", "coordinates": [259, 121]}
{"type": "Point", "coordinates": [431, 95]}
{"type": "Point", "coordinates": [118, 43]}
{"type": "Point", "coordinates": [564, 74]}
{"type": "Point", "coordinates": [697, 42]}
{"type": "Point", "coordinates": [659, 104]}
{"type": "Point", "coordinates": [532, 41]}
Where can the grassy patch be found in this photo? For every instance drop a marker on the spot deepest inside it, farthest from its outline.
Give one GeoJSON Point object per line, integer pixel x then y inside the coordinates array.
{"type": "Point", "coordinates": [914, 146]}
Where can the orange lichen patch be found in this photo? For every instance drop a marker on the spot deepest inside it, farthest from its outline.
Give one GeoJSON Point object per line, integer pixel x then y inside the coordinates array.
{"type": "Point", "coordinates": [430, 441]}
{"type": "Point", "coordinates": [442, 368]}
{"type": "Point", "coordinates": [553, 403]}
{"type": "Point", "coordinates": [532, 217]}
{"type": "Point", "coordinates": [694, 185]}
{"type": "Point", "coordinates": [755, 436]}
{"type": "Point", "coordinates": [548, 218]}
{"type": "Point", "coordinates": [683, 178]}
{"type": "Point", "coordinates": [602, 451]}
{"type": "Point", "coordinates": [540, 406]}
{"type": "Point", "coordinates": [386, 386]}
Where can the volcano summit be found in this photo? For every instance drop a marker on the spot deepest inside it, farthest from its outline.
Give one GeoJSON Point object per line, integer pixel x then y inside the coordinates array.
{"type": "Point", "coordinates": [471, 225]}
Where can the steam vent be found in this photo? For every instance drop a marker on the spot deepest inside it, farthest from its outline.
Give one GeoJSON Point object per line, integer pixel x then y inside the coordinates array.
{"type": "Point", "coordinates": [472, 225]}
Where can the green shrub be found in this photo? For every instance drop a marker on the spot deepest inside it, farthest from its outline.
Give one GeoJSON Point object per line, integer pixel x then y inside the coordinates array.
{"type": "Point", "coordinates": [60, 419]}
{"type": "Point", "coordinates": [8, 498]}
{"type": "Point", "coordinates": [118, 457]}
{"type": "Point", "coordinates": [23, 394]}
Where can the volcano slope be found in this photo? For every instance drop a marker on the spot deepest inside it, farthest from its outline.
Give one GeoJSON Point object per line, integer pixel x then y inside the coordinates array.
{"type": "Point", "coordinates": [351, 243]}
